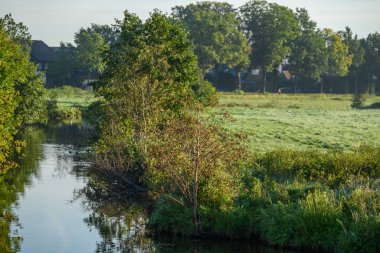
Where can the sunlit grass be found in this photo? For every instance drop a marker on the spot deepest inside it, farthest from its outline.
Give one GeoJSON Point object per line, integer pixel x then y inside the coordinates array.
{"type": "Point", "coordinates": [315, 121]}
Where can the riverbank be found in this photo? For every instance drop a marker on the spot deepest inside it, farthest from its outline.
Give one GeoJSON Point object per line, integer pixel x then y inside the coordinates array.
{"type": "Point", "coordinates": [69, 103]}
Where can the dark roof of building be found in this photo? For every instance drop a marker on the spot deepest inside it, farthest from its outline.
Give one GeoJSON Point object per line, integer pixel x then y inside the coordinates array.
{"type": "Point", "coordinates": [41, 52]}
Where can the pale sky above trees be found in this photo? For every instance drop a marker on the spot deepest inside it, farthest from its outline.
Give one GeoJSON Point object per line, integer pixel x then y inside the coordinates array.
{"type": "Point", "coordinates": [57, 20]}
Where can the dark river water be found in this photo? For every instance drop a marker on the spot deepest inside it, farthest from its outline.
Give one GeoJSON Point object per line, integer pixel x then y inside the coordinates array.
{"type": "Point", "coordinates": [48, 196]}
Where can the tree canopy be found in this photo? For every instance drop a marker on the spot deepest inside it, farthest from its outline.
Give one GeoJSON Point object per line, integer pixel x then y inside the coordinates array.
{"type": "Point", "coordinates": [271, 30]}
{"type": "Point", "coordinates": [21, 93]}
{"type": "Point", "coordinates": [214, 30]}
{"type": "Point", "coordinates": [309, 56]}
{"type": "Point", "coordinates": [90, 47]}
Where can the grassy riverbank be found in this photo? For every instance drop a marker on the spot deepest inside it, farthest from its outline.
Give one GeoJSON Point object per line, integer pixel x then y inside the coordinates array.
{"type": "Point", "coordinates": [311, 180]}
{"type": "Point", "coordinates": [68, 103]}
{"type": "Point", "coordinates": [301, 199]}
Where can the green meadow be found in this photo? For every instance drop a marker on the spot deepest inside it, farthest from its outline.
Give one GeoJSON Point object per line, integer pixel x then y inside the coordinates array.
{"type": "Point", "coordinates": [300, 121]}
{"type": "Point", "coordinates": [68, 103]}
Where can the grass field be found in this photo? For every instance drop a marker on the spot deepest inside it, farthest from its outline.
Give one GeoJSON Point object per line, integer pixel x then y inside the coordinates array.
{"type": "Point", "coordinates": [68, 97]}
{"type": "Point", "coordinates": [315, 121]}
{"type": "Point", "coordinates": [273, 121]}
{"type": "Point", "coordinates": [69, 102]}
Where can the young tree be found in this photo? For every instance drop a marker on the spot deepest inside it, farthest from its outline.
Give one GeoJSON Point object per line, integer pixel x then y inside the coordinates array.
{"type": "Point", "coordinates": [194, 165]}
{"type": "Point", "coordinates": [214, 30]}
{"type": "Point", "coordinates": [271, 30]}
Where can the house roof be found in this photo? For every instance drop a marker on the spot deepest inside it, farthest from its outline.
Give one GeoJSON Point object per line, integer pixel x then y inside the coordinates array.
{"type": "Point", "coordinates": [41, 52]}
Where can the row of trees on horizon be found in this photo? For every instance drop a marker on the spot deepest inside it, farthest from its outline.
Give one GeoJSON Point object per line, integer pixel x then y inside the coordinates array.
{"type": "Point", "coordinates": [258, 35]}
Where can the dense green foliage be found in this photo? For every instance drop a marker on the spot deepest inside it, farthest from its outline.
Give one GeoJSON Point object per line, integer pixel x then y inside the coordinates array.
{"type": "Point", "coordinates": [89, 50]}
{"type": "Point", "coordinates": [214, 31]}
{"type": "Point", "coordinates": [308, 59]}
{"type": "Point", "coordinates": [21, 93]}
{"type": "Point", "coordinates": [271, 30]}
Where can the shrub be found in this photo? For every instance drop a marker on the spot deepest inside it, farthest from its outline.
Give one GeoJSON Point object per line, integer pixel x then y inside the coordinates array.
{"type": "Point", "coordinates": [357, 101]}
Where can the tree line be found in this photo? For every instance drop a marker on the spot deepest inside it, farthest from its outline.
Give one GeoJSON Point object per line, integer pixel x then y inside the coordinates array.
{"type": "Point", "coordinates": [258, 35]}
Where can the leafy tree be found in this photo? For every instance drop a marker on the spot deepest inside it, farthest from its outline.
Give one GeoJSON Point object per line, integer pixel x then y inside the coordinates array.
{"type": "Point", "coordinates": [308, 59]}
{"type": "Point", "coordinates": [90, 47]}
{"type": "Point", "coordinates": [356, 51]}
{"type": "Point", "coordinates": [17, 31]}
{"type": "Point", "coordinates": [195, 166]}
{"type": "Point", "coordinates": [108, 33]}
{"type": "Point", "coordinates": [271, 30]}
{"type": "Point", "coordinates": [214, 30]}
{"type": "Point", "coordinates": [339, 60]}
{"type": "Point", "coordinates": [372, 55]}
{"type": "Point", "coordinates": [62, 70]}
{"type": "Point", "coordinates": [14, 67]}
{"type": "Point", "coordinates": [21, 90]}
{"type": "Point", "coordinates": [148, 79]}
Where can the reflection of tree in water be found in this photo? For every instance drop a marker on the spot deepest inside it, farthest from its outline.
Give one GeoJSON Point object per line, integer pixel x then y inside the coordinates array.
{"type": "Point", "coordinates": [13, 183]}
{"type": "Point", "coordinates": [77, 134]}
{"type": "Point", "coordinates": [122, 224]}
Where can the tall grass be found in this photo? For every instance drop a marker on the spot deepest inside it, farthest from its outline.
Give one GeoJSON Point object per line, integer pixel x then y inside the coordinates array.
{"type": "Point", "coordinates": [302, 199]}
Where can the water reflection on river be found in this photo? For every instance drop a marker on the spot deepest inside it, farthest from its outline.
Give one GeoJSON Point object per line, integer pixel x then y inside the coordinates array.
{"type": "Point", "coordinates": [57, 212]}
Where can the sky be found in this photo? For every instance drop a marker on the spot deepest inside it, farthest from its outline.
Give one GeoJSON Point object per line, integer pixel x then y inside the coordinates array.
{"type": "Point", "coordinates": [54, 21]}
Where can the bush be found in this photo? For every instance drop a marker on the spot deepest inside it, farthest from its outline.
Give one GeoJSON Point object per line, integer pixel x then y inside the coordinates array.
{"type": "Point", "coordinates": [357, 101]}
{"type": "Point", "coordinates": [170, 217]}
{"type": "Point", "coordinates": [205, 93]}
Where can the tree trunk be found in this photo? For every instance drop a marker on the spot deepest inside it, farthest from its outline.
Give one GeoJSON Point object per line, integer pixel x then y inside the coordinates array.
{"type": "Point", "coordinates": [216, 76]}
{"type": "Point", "coordinates": [356, 84]}
{"type": "Point", "coordinates": [264, 81]}
{"type": "Point", "coordinates": [347, 85]}
{"type": "Point", "coordinates": [195, 184]}
{"type": "Point", "coordinates": [275, 79]}
{"type": "Point", "coordinates": [238, 74]}
{"type": "Point", "coordinates": [322, 85]}
{"type": "Point", "coordinates": [195, 206]}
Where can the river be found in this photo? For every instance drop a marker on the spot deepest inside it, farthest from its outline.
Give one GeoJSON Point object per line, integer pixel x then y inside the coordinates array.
{"type": "Point", "coordinates": [48, 196]}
